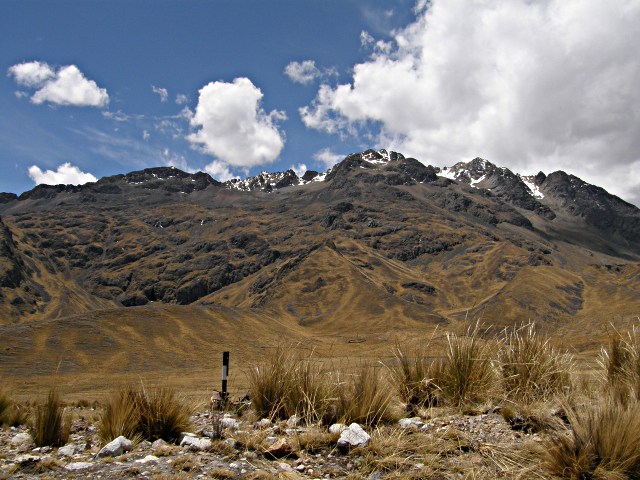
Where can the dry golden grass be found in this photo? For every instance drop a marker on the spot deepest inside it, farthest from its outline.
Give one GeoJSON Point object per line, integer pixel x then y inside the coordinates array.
{"type": "Point", "coordinates": [50, 424]}
{"type": "Point", "coordinates": [532, 369]}
{"type": "Point", "coordinates": [603, 442]}
{"type": "Point", "coordinates": [144, 413]}
{"type": "Point", "coordinates": [469, 372]}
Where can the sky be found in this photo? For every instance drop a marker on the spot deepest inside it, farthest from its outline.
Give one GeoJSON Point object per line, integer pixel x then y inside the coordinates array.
{"type": "Point", "coordinates": [234, 87]}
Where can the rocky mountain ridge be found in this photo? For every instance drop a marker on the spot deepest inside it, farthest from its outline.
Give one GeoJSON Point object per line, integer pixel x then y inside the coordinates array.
{"type": "Point", "coordinates": [378, 237]}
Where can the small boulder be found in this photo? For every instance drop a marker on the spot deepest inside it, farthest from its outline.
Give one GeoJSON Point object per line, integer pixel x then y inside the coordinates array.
{"type": "Point", "coordinates": [75, 466]}
{"type": "Point", "coordinates": [148, 459]}
{"type": "Point", "coordinates": [353, 436]}
{"type": "Point", "coordinates": [116, 447]}
{"type": "Point", "coordinates": [67, 451]}
{"type": "Point", "coordinates": [337, 428]}
{"type": "Point", "coordinates": [294, 421]}
{"type": "Point", "coordinates": [228, 422]}
{"type": "Point", "coordinates": [21, 440]}
{"type": "Point", "coordinates": [195, 443]}
{"type": "Point", "coordinates": [262, 424]}
{"type": "Point", "coordinates": [280, 449]}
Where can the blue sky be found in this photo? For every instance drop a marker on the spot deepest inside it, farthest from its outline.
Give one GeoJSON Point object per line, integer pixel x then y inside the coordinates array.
{"type": "Point", "coordinates": [95, 88]}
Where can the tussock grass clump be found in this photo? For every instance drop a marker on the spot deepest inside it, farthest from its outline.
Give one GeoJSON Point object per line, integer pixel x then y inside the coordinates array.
{"type": "Point", "coordinates": [119, 417]}
{"type": "Point", "coordinates": [50, 426]}
{"type": "Point", "coordinates": [11, 414]}
{"type": "Point", "coordinates": [311, 392]}
{"type": "Point", "coordinates": [139, 413]}
{"type": "Point", "coordinates": [416, 378]}
{"type": "Point", "coordinates": [270, 384]}
{"type": "Point", "coordinates": [365, 398]}
{"type": "Point", "coordinates": [285, 384]}
{"type": "Point", "coordinates": [468, 370]}
{"type": "Point", "coordinates": [162, 415]}
{"type": "Point", "coordinates": [620, 362]}
{"type": "Point", "coordinates": [604, 442]}
{"type": "Point", "coordinates": [532, 370]}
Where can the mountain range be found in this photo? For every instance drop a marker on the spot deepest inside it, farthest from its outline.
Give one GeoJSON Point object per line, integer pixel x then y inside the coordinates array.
{"type": "Point", "coordinates": [135, 269]}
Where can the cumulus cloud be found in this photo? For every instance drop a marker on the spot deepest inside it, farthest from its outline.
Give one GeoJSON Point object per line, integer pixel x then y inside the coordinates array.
{"type": "Point", "coordinates": [299, 169]}
{"type": "Point", "coordinates": [65, 174]}
{"type": "Point", "coordinates": [232, 126]}
{"type": "Point", "coordinates": [219, 170]}
{"type": "Point", "coordinates": [327, 157]}
{"type": "Point", "coordinates": [302, 72]}
{"type": "Point", "coordinates": [529, 85]}
{"type": "Point", "coordinates": [181, 99]}
{"type": "Point", "coordinates": [306, 72]}
{"type": "Point", "coordinates": [66, 86]}
{"type": "Point", "coordinates": [31, 74]}
{"type": "Point", "coordinates": [163, 92]}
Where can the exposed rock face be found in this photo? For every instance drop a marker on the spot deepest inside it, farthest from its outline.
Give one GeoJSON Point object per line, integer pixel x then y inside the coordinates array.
{"type": "Point", "coordinates": [7, 197]}
{"type": "Point", "coordinates": [163, 235]}
{"type": "Point", "coordinates": [593, 204]}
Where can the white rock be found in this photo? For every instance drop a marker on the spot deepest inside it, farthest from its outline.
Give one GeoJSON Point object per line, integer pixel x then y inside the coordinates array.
{"type": "Point", "coordinates": [229, 423]}
{"type": "Point", "coordinates": [196, 444]}
{"type": "Point", "coordinates": [78, 466]}
{"type": "Point", "coordinates": [414, 422]}
{"type": "Point", "coordinates": [353, 436]}
{"type": "Point", "coordinates": [337, 428]}
{"type": "Point", "coordinates": [148, 459]}
{"type": "Point", "coordinates": [67, 451]}
{"type": "Point", "coordinates": [116, 447]}
{"type": "Point", "coordinates": [159, 443]}
{"type": "Point", "coordinates": [294, 421]}
{"type": "Point", "coordinates": [263, 423]}
{"type": "Point", "coordinates": [21, 440]}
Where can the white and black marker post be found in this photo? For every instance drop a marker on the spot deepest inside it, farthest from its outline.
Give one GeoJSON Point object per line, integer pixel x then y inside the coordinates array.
{"type": "Point", "coordinates": [225, 375]}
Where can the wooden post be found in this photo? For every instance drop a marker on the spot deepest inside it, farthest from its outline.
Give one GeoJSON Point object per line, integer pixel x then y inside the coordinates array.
{"type": "Point", "coordinates": [225, 375]}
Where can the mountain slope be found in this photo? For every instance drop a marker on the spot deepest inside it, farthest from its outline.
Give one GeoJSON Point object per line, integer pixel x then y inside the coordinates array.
{"type": "Point", "coordinates": [380, 246]}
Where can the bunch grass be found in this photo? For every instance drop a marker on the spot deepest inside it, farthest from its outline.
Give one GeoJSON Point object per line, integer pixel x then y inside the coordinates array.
{"type": "Point", "coordinates": [50, 426]}
{"type": "Point", "coordinates": [532, 370]}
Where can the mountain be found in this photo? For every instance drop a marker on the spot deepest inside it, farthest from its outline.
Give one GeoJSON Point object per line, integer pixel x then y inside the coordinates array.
{"type": "Point", "coordinates": [379, 247]}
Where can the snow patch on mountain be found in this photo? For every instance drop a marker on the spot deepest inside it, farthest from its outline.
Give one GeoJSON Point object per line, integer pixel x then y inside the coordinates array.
{"type": "Point", "coordinates": [529, 181]}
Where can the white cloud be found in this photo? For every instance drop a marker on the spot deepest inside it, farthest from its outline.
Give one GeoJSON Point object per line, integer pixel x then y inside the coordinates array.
{"type": "Point", "coordinates": [181, 99]}
{"type": "Point", "coordinates": [219, 170]}
{"type": "Point", "coordinates": [163, 92]}
{"type": "Point", "coordinates": [67, 86]}
{"type": "Point", "coordinates": [365, 38]}
{"type": "Point", "coordinates": [306, 72]}
{"type": "Point", "coordinates": [175, 160]}
{"type": "Point", "coordinates": [145, 135]}
{"type": "Point", "coordinates": [327, 157]}
{"type": "Point", "coordinates": [302, 72]}
{"type": "Point", "coordinates": [31, 74]}
{"type": "Point", "coordinates": [233, 127]}
{"type": "Point", "coordinates": [530, 85]}
{"type": "Point", "coordinates": [66, 174]}
{"type": "Point", "coordinates": [299, 169]}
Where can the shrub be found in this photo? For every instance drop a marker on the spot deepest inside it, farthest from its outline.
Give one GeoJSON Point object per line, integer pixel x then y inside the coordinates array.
{"type": "Point", "coordinates": [532, 370]}
{"type": "Point", "coordinates": [603, 442]}
{"type": "Point", "coordinates": [139, 413]}
{"type": "Point", "coordinates": [50, 427]}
